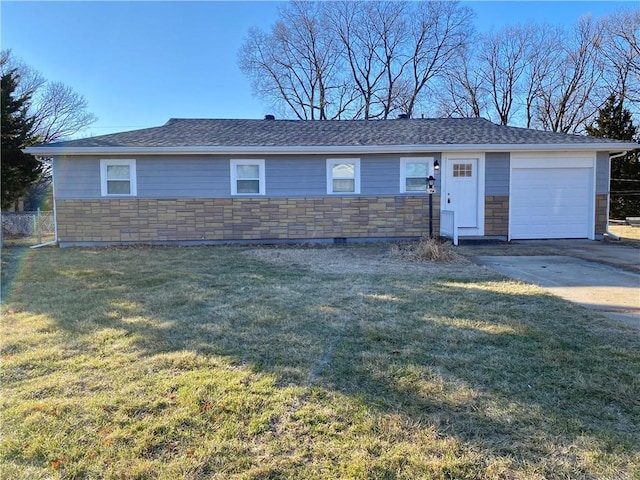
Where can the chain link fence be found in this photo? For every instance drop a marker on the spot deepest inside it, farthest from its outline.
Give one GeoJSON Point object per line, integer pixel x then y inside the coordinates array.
{"type": "Point", "coordinates": [27, 228]}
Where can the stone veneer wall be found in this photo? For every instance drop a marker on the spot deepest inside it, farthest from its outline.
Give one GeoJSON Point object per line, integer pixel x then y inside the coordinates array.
{"type": "Point", "coordinates": [229, 219]}
{"type": "Point", "coordinates": [601, 214]}
{"type": "Point", "coordinates": [496, 215]}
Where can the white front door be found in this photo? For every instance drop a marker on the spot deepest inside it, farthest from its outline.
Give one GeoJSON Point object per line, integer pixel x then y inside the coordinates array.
{"type": "Point", "coordinates": [461, 192]}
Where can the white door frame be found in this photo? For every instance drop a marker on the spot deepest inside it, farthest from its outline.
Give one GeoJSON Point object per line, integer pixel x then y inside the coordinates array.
{"type": "Point", "coordinates": [551, 160]}
{"type": "Point", "coordinates": [480, 157]}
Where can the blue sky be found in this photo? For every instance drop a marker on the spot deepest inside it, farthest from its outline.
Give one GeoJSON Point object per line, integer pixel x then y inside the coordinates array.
{"type": "Point", "coordinates": [140, 63]}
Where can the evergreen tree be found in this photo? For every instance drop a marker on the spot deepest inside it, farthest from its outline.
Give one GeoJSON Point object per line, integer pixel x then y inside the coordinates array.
{"type": "Point", "coordinates": [614, 121]}
{"type": "Point", "coordinates": [19, 170]}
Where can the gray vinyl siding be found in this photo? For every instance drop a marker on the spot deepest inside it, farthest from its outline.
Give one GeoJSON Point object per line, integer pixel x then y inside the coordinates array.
{"type": "Point", "coordinates": [157, 177]}
{"type": "Point", "coordinates": [307, 175]}
{"type": "Point", "coordinates": [295, 176]}
{"type": "Point", "coordinates": [189, 177]}
{"type": "Point", "coordinates": [209, 176]}
{"type": "Point", "coordinates": [76, 179]}
{"type": "Point", "coordinates": [497, 173]}
{"type": "Point", "coordinates": [602, 172]}
{"type": "Point", "coordinates": [380, 176]}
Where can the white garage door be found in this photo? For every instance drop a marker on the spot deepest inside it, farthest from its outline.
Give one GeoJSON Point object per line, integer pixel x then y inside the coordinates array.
{"type": "Point", "coordinates": [551, 202]}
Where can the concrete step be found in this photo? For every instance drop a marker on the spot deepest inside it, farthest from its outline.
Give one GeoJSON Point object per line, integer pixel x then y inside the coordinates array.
{"type": "Point", "coordinates": [481, 240]}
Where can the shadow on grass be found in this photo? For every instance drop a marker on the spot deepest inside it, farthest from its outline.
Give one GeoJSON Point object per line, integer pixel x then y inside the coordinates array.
{"type": "Point", "coordinates": [518, 374]}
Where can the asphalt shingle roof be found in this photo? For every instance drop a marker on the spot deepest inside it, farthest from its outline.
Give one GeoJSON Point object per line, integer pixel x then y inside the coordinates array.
{"type": "Point", "coordinates": [178, 132]}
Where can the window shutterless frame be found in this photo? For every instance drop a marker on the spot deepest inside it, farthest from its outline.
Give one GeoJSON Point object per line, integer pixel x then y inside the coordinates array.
{"type": "Point", "coordinates": [343, 176]}
{"type": "Point", "coordinates": [118, 178]}
{"type": "Point", "coordinates": [414, 172]}
{"type": "Point", "coordinates": [247, 177]}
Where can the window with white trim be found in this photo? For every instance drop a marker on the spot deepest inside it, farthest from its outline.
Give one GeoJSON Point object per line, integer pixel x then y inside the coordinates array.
{"type": "Point", "coordinates": [247, 177]}
{"type": "Point", "coordinates": [414, 173]}
{"type": "Point", "coordinates": [343, 175]}
{"type": "Point", "coordinates": [118, 178]}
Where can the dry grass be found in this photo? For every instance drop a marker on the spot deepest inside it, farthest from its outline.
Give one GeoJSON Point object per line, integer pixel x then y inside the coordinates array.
{"type": "Point", "coordinates": [626, 232]}
{"type": "Point", "coordinates": [231, 363]}
{"type": "Point", "coordinates": [426, 250]}
{"type": "Point", "coordinates": [384, 259]}
{"type": "Point", "coordinates": [8, 241]}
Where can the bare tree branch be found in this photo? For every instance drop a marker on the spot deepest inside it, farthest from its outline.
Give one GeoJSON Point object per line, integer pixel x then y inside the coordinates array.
{"type": "Point", "coordinates": [462, 91]}
{"type": "Point", "coordinates": [504, 58]}
{"type": "Point", "coordinates": [296, 63]}
{"type": "Point", "coordinates": [565, 97]}
{"type": "Point", "coordinates": [58, 111]}
{"type": "Point", "coordinates": [369, 60]}
{"type": "Point", "coordinates": [620, 49]}
{"type": "Point", "coordinates": [438, 35]}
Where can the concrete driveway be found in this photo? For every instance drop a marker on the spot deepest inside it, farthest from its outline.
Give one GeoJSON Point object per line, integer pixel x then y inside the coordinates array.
{"type": "Point", "coordinates": [584, 273]}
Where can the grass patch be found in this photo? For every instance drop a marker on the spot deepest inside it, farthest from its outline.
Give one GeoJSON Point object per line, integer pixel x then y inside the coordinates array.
{"type": "Point", "coordinates": [627, 233]}
{"type": "Point", "coordinates": [207, 363]}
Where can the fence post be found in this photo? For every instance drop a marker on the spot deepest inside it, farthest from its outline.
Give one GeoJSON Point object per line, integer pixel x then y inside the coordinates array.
{"type": "Point", "coordinates": [38, 226]}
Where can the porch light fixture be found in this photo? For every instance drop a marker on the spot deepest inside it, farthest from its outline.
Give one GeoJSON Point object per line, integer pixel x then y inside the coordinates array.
{"type": "Point", "coordinates": [436, 165]}
{"type": "Point", "coordinates": [431, 190]}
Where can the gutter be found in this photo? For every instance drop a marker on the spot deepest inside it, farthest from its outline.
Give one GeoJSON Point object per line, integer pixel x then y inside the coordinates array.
{"type": "Point", "coordinates": [46, 150]}
{"type": "Point", "coordinates": [606, 230]}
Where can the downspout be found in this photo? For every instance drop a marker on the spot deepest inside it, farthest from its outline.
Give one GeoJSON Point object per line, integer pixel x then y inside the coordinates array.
{"type": "Point", "coordinates": [46, 244]}
{"type": "Point", "coordinates": [55, 216]}
{"type": "Point", "coordinates": [606, 229]}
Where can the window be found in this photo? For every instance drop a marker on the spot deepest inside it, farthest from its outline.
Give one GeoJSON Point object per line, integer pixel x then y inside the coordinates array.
{"type": "Point", "coordinates": [462, 170]}
{"type": "Point", "coordinates": [118, 178]}
{"type": "Point", "coordinates": [414, 173]}
{"type": "Point", "coordinates": [343, 175]}
{"type": "Point", "coordinates": [247, 177]}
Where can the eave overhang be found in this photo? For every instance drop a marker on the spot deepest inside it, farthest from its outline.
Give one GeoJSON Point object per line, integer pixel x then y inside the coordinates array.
{"type": "Point", "coordinates": [47, 151]}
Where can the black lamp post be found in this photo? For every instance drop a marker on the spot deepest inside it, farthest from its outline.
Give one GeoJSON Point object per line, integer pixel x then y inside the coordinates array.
{"type": "Point", "coordinates": [430, 191]}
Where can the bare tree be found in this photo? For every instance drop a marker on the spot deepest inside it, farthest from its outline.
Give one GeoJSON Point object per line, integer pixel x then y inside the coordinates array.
{"type": "Point", "coordinates": [58, 111]}
{"type": "Point", "coordinates": [392, 20]}
{"type": "Point", "coordinates": [566, 97]}
{"type": "Point", "coordinates": [372, 35]}
{"type": "Point", "coordinates": [30, 79]}
{"type": "Point", "coordinates": [353, 59]}
{"type": "Point", "coordinates": [532, 75]}
{"type": "Point", "coordinates": [620, 49]}
{"type": "Point", "coordinates": [505, 56]}
{"type": "Point", "coordinates": [439, 31]}
{"type": "Point", "coordinates": [297, 63]}
{"type": "Point", "coordinates": [462, 90]}
{"type": "Point", "coordinates": [359, 47]}
{"type": "Point", "coordinates": [372, 59]}
{"type": "Point", "coordinates": [544, 52]}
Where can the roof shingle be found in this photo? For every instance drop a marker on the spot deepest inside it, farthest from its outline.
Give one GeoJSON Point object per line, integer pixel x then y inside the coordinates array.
{"type": "Point", "coordinates": [178, 132]}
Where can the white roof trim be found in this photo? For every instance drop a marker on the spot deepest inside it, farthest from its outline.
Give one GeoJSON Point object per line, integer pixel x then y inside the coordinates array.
{"type": "Point", "coordinates": [326, 150]}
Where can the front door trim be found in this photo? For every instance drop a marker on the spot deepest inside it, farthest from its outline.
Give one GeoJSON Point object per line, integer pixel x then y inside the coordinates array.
{"type": "Point", "coordinates": [447, 159]}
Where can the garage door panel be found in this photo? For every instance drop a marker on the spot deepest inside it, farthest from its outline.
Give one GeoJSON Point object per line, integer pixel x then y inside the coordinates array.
{"type": "Point", "coordinates": [550, 202]}
{"type": "Point", "coordinates": [542, 224]}
{"type": "Point", "coordinates": [566, 211]}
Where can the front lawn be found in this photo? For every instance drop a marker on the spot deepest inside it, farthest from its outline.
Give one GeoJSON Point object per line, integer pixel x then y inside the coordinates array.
{"type": "Point", "coordinates": [233, 363]}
